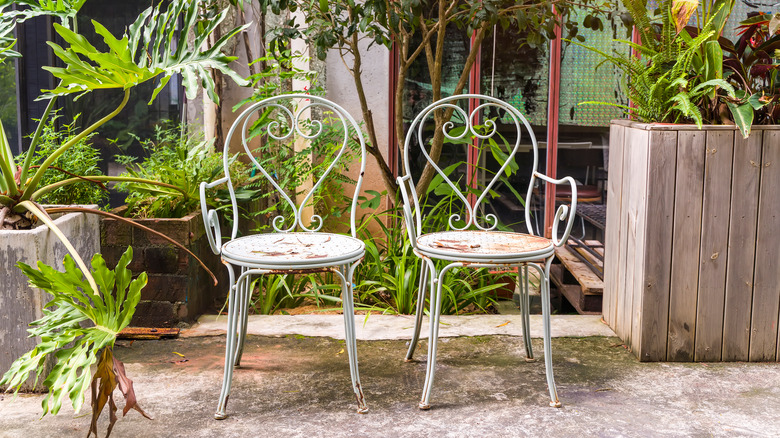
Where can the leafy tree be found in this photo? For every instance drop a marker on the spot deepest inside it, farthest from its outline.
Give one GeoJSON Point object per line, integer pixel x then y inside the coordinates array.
{"type": "Point", "coordinates": [418, 28]}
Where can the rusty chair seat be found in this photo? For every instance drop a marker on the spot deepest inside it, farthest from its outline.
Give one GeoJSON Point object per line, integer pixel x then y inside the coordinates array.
{"type": "Point", "coordinates": [479, 246]}
{"type": "Point", "coordinates": [293, 250]}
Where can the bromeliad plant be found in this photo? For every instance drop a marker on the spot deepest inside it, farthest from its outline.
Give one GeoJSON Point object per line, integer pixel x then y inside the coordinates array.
{"type": "Point", "coordinates": [155, 47]}
{"type": "Point", "coordinates": [77, 345]}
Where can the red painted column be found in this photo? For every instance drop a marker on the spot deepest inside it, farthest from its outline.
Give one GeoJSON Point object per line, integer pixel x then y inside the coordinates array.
{"type": "Point", "coordinates": [553, 103]}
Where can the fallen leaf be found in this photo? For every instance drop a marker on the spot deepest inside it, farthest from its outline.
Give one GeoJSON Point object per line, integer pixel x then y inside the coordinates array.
{"type": "Point", "coordinates": [340, 352]}
{"type": "Point", "coordinates": [177, 353]}
{"type": "Point", "coordinates": [501, 325]}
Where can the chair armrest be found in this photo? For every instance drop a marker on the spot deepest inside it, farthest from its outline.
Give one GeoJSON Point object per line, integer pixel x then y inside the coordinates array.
{"type": "Point", "coordinates": [409, 218]}
{"type": "Point", "coordinates": [563, 211]}
{"type": "Point", "coordinates": [211, 218]}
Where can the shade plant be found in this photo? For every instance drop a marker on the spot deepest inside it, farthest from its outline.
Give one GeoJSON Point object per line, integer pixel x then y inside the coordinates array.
{"type": "Point", "coordinates": [79, 328]}
{"type": "Point", "coordinates": [177, 162]}
{"type": "Point", "coordinates": [163, 41]}
{"type": "Point", "coordinates": [681, 73]}
{"type": "Point", "coordinates": [82, 160]}
{"type": "Point", "coordinates": [152, 48]}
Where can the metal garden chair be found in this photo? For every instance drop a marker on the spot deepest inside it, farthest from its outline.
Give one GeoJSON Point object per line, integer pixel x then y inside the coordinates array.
{"type": "Point", "coordinates": [294, 247]}
{"type": "Point", "coordinates": [474, 241]}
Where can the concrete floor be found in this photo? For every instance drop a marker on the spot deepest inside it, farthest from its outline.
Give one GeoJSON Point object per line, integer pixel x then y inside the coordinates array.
{"type": "Point", "coordinates": [291, 385]}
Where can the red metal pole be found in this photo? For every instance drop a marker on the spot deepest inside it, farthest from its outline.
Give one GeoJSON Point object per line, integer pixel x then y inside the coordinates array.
{"type": "Point", "coordinates": [552, 129]}
{"type": "Point", "coordinates": [475, 77]}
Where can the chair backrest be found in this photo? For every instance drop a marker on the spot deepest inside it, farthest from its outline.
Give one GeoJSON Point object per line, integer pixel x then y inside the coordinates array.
{"type": "Point", "coordinates": [286, 118]}
{"type": "Point", "coordinates": [461, 128]}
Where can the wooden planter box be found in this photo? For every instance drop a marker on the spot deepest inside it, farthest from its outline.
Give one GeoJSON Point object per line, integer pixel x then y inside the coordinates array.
{"type": "Point", "coordinates": [179, 289]}
{"type": "Point", "coordinates": [19, 303]}
{"type": "Point", "coordinates": [693, 242]}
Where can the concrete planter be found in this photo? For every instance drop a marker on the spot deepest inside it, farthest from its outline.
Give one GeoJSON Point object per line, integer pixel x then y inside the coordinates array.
{"type": "Point", "coordinates": [692, 242]}
{"type": "Point", "coordinates": [179, 289]}
{"type": "Point", "coordinates": [19, 303]}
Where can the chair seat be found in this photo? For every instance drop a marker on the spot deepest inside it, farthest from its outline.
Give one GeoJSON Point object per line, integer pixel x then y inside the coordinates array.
{"type": "Point", "coordinates": [291, 250]}
{"type": "Point", "coordinates": [484, 246]}
{"type": "Point", "coordinates": [584, 193]}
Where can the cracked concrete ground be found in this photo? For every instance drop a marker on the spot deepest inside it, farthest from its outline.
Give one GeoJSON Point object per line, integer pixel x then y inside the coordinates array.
{"type": "Point", "coordinates": [291, 385]}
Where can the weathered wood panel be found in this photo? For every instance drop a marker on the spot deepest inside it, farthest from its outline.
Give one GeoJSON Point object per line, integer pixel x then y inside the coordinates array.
{"type": "Point", "coordinates": [620, 282]}
{"type": "Point", "coordinates": [639, 212]}
{"type": "Point", "coordinates": [697, 244]}
{"type": "Point", "coordinates": [742, 247]}
{"type": "Point", "coordinates": [714, 245]}
{"type": "Point", "coordinates": [658, 251]}
{"type": "Point", "coordinates": [612, 232]}
{"type": "Point", "coordinates": [766, 292]}
{"type": "Point", "coordinates": [635, 159]}
{"type": "Point", "coordinates": [685, 252]}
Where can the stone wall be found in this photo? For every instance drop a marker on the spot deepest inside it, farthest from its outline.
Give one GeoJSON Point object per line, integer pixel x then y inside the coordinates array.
{"type": "Point", "coordinates": [179, 289]}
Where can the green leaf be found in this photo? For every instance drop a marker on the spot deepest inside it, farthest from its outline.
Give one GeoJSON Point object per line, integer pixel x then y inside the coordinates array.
{"type": "Point", "coordinates": [146, 51]}
{"type": "Point", "coordinates": [743, 117]}
{"type": "Point", "coordinates": [713, 67]}
{"type": "Point", "coordinates": [74, 347]}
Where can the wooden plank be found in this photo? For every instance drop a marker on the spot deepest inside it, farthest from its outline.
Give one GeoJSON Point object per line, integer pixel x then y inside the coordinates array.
{"type": "Point", "coordinates": [612, 231]}
{"type": "Point", "coordinates": [589, 282]}
{"type": "Point", "coordinates": [639, 210]}
{"type": "Point", "coordinates": [766, 291]}
{"type": "Point", "coordinates": [685, 248]}
{"type": "Point", "coordinates": [713, 253]}
{"type": "Point", "coordinates": [596, 246]}
{"type": "Point", "coordinates": [742, 246]}
{"type": "Point", "coordinates": [148, 333]}
{"type": "Point", "coordinates": [583, 304]}
{"type": "Point", "coordinates": [658, 251]}
{"type": "Point", "coordinates": [629, 219]}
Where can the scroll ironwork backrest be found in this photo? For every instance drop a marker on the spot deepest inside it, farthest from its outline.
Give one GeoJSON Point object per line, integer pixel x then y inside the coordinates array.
{"type": "Point", "coordinates": [291, 109]}
{"type": "Point", "coordinates": [469, 121]}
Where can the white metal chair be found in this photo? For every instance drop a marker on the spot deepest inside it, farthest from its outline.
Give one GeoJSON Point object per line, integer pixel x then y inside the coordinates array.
{"type": "Point", "coordinates": [478, 243]}
{"type": "Point", "coordinates": [294, 247]}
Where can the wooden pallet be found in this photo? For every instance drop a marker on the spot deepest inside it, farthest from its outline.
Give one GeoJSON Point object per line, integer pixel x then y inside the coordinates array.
{"type": "Point", "coordinates": [576, 281]}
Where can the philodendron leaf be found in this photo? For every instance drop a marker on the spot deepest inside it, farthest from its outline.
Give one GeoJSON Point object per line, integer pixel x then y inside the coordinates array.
{"type": "Point", "coordinates": [154, 46]}
{"type": "Point", "coordinates": [74, 347]}
{"type": "Point", "coordinates": [743, 117]}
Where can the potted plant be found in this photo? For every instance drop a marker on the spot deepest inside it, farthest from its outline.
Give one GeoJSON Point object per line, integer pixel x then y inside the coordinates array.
{"type": "Point", "coordinates": [180, 290]}
{"type": "Point", "coordinates": [147, 51]}
{"type": "Point", "coordinates": [691, 230]}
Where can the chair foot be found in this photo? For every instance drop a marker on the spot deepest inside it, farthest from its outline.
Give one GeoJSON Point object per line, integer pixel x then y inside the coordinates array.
{"type": "Point", "coordinates": [423, 406]}
{"type": "Point", "coordinates": [530, 359]}
{"type": "Point", "coordinates": [408, 360]}
{"type": "Point", "coordinates": [220, 415]}
{"type": "Point", "coordinates": [555, 404]}
{"type": "Point", "coordinates": [362, 410]}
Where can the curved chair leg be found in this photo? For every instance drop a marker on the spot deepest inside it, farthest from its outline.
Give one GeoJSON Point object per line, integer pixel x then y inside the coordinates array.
{"type": "Point", "coordinates": [350, 337]}
{"type": "Point", "coordinates": [436, 297]}
{"type": "Point", "coordinates": [525, 304]}
{"type": "Point", "coordinates": [230, 346]}
{"type": "Point", "coordinates": [243, 314]}
{"type": "Point", "coordinates": [545, 283]}
{"type": "Point", "coordinates": [421, 291]}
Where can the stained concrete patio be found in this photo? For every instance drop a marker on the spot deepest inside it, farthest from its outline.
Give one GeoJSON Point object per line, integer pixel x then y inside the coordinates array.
{"type": "Point", "coordinates": [295, 383]}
